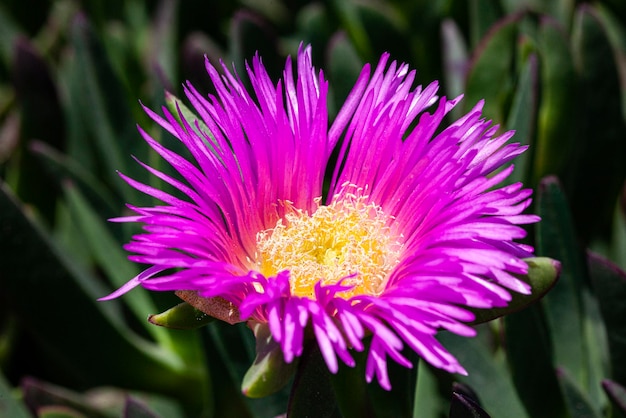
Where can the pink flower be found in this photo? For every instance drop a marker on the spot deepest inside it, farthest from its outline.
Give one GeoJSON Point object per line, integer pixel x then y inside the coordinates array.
{"type": "Point", "coordinates": [412, 231]}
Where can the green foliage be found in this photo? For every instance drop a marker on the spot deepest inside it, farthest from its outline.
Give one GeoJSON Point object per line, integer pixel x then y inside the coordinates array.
{"type": "Point", "coordinates": [71, 75]}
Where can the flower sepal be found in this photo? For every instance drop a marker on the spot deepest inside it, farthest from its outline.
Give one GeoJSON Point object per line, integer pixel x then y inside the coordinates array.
{"type": "Point", "coordinates": [269, 372]}
{"type": "Point", "coordinates": [216, 307]}
{"type": "Point", "coordinates": [181, 316]}
{"type": "Point", "coordinates": [543, 273]}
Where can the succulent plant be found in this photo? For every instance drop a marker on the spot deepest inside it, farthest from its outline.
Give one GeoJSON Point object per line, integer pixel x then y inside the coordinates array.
{"type": "Point", "coordinates": [71, 77]}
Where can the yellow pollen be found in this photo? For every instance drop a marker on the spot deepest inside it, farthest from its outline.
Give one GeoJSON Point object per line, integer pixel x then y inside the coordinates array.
{"type": "Point", "coordinates": [348, 238]}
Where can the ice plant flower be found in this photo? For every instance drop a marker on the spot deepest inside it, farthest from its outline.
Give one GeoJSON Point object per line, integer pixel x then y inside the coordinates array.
{"type": "Point", "coordinates": [412, 231]}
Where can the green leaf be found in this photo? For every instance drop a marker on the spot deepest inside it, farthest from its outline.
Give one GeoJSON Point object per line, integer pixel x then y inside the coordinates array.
{"type": "Point", "coordinates": [617, 394]}
{"type": "Point", "coordinates": [54, 300]}
{"type": "Point", "coordinates": [162, 53]}
{"type": "Point", "coordinates": [558, 9]}
{"type": "Point", "coordinates": [529, 352]}
{"type": "Point", "coordinates": [601, 133]}
{"type": "Point", "coordinates": [542, 275]}
{"type": "Point", "coordinates": [555, 130]}
{"type": "Point", "coordinates": [616, 34]}
{"type": "Point", "coordinates": [483, 15]}
{"type": "Point", "coordinates": [489, 76]}
{"type": "Point", "coordinates": [63, 167]}
{"type": "Point", "coordinates": [617, 248]}
{"type": "Point", "coordinates": [578, 404]}
{"type": "Point", "coordinates": [455, 58]}
{"type": "Point", "coordinates": [180, 111]}
{"type": "Point", "coordinates": [399, 401]}
{"type": "Point", "coordinates": [352, 21]}
{"type": "Point", "coordinates": [107, 115]}
{"type": "Point", "coordinates": [229, 353]}
{"type": "Point", "coordinates": [59, 401]}
{"type": "Point", "coordinates": [428, 402]}
{"type": "Point", "coordinates": [42, 118]}
{"type": "Point", "coordinates": [522, 116]}
{"type": "Point", "coordinates": [351, 389]}
{"type": "Point", "coordinates": [181, 316]}
{"type": "Point", "coordinates": [486, 373]}
{"type": "Point", "coordinates": [344, 66]}
{"type": "Point", "coordinates": [313, 26]}
{"type": "Point", "coordinates": [463, 405]}
{"type": "Point", "coordinates": [312, 394]}
{"type": "Point", "coordinates": [609, 286]}
{"type": "Point", "coordinates": [250, 34]}
{"type": "Point", "coordinates": [9, 406]}
{"type": "Point", "coordinates": [563, 305]}
{"type": "Point", "coordinates": [112, 259]}
{"type": "Point", "coordinates": [55, 411]}
{"type": "Point", "coordinates": [134, 408]}
{"type": "Point", "coordinates": [269, 373]}
{"type": "Point", "coordinates": [9, 31]}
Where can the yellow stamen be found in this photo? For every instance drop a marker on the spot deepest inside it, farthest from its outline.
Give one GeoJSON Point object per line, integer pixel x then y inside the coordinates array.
{"type": "Point", "coordinates": [349, 237]}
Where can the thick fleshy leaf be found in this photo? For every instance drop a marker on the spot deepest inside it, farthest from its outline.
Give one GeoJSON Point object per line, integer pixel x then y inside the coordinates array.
{"type": "Point", "coordinates": [134, 408]}
{"type": "Point", "coordinates": [455, 61]}
{"type": "Point", "coordinates": [9, 406]}
{"type": "Point", "coordinates": [617, 394]}
{"type": "Point", "coordinates": [617, 247]}
{"type": "Point", "coordinates": [178, 108]}
{"type": "Point", "coordinates": [399, 401]}
{"type": "Point", "coordinates": [181, 316]}
{"type": "Point", "coordinates": [559, 9]}
{"type": "Point", "coordinates": [351, 389]}
{"type": "Point", "coordinates": [351, 20]}
{"type": "Point", "coordinates": [344, 67]}
{"type": "Point", "coordinates": [490, 73]}
{"type": "Point", "coordinates": [483, 16]}
{"type": "Point", "coordinates": [113, 401]}
{"type": "Point", "coordinates": [313, 24]}
{"type": "Point", "coordinates": [578, 403]}
{"type": "Point", "coordinates": [523, 115]}
{"type": "Point", "coordinates": [529, 353]}
{"type": "Point", "coordinates": [609, 286]}
{"type": "Point", "coordinates": [55, 411]}
{"type": "Point", "coordinates": [601, 134]}
{"type": "Point", "coordinates": [109, 119]}
{"type": "Point", "coordinates": [498, 396]}
{"type": "Point", "coordinates": [269, 372]}
{"type": "Point", "coordinates": [555, 130]}
{"type": "Point", "coordinates": [34, 269]}
{"type": "Point", "coordinates": [63, 167]}
{"type": "Point", "coordinates": [109, 255]}
{"type": "Point", "coordinates": [428, 401]}
{"type": "Point", "coordinates": [542, 275]}
{"type": "Point", "coordinates": [229, 353]}
{"type": "Point", "coordinates": [563, 305]}
{"type": "Point", "coordinates": [41, 118]}
{"type": "Point", "coordinates": [162, 45]}
{"type": "Point", "coordinates": [387, 30]}
{"type": "Point", "coordinates": [251, 34]}
{"type": "Point", "coordinates": [464, 403]}
{"type": "Point", "coordinates": [616, 33]}
{"type": "Point", "coordinates": [38, 395]}
{"type": "Point", "coordinates": [312, 394]}
{"type": "Point", "coordinates": [9, 32]}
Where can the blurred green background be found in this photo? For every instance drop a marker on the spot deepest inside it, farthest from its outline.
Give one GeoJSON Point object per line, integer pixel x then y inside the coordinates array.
{"type": "Point", "coordinates": [71, 77]}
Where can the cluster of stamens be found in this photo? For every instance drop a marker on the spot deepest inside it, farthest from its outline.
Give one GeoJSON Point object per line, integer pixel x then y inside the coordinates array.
{"type": "Point", "coordinates": [349, 239]}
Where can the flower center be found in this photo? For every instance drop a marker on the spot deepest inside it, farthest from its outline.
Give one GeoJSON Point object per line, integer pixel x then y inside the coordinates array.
{"type": "Point", "coordinates": [349, 239]}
